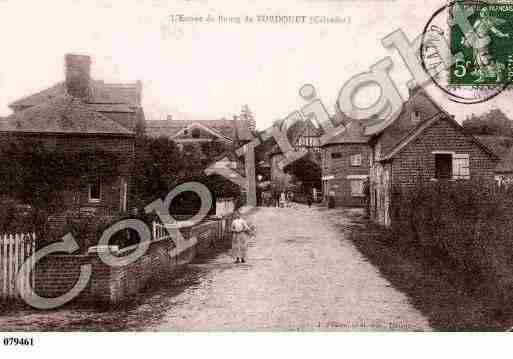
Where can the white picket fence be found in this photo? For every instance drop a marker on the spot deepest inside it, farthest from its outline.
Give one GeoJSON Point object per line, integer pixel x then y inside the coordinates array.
{"type": "Point", "coordinates": [15, 249]}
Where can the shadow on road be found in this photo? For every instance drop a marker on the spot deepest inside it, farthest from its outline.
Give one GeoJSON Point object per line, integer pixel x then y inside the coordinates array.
{"type": "Point", "coordinates": [450, 300]}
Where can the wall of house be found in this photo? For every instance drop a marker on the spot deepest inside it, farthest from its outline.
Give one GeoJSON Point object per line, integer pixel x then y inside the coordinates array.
{"type": "Point", "coordinates": [111, 187]}
{"type": "Point", "coordinates": [417, 161]}
{"type": "Point", "coordinates": [57, 274]}
{"type": "Point", "coordinates": [335, 172]}
{"type": "Point", "coordinates": [380, 194]}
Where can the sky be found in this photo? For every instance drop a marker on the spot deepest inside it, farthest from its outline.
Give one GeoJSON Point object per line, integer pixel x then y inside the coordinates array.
{"type": "Point", "coordinates": [209, 70]}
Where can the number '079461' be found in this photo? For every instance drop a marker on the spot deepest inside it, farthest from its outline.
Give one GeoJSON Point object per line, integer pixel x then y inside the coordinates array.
{"type": "Point", "coordinates": [19, 341]}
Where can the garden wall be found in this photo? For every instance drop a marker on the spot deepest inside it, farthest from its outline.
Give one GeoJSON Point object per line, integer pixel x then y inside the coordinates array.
{"type": "Point", "coordinates": [57, 274]}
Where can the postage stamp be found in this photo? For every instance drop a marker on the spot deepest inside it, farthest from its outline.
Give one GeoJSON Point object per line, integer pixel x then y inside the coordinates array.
{"type": "Point", "coordinates": [491, 61]}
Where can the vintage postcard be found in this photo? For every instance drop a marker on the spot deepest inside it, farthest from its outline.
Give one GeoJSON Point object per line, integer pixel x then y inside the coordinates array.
{"type": "Point", "coordinates": [277, 166]}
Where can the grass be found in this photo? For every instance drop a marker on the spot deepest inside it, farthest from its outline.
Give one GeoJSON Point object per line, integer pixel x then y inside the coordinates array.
{"type": "Point", "coordinates": [451, 299]}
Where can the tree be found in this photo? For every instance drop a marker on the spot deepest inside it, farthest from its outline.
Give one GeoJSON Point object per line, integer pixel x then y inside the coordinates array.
{"type": "Point", "coordinates": [494, 122]}
{"type": "Point", "coordinates": [160, 165]}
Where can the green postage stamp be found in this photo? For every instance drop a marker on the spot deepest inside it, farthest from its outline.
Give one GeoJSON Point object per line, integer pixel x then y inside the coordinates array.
{"type": "Point", "coordinates": [489, 64]}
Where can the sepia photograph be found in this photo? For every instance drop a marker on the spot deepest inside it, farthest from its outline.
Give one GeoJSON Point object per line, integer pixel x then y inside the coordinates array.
{"type": "Point", "coordinates": [198, 166]}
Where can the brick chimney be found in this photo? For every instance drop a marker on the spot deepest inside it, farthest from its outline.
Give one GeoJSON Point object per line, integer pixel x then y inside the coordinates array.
{"type": "Point", "coordinates": [78, 76]}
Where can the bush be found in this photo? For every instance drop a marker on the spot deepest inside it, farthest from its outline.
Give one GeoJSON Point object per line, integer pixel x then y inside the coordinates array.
{"type": "Point", "coordinates": [469, 221]}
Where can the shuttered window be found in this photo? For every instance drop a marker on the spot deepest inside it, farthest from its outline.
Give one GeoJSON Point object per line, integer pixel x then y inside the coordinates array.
{"type": "Point", "coordinates": [357, 188]}
{"type": "Point", "coordinates": [356, 160]}
{"type": "Point", "coordinates": [460, 166]}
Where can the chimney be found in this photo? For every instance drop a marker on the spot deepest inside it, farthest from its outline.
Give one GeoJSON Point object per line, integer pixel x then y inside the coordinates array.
{"type": "Point", "coordinates": [413, 88]}
{"type": "Point", "coordinates": [78, 76]}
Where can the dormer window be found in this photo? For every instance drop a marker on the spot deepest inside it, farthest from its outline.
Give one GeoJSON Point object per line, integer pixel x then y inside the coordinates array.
{"type": "Point", "coordinates": [195, 133]}
{"type": "Point", "coordinates": [415, 116]}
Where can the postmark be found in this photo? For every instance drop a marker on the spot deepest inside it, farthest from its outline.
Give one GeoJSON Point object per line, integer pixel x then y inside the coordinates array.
{"type": "Point", "coordinates": [450, 43]}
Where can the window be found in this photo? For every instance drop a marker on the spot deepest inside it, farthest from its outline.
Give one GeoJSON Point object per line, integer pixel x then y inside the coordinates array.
{"type": "Point", "coordinates": [95, 191]}
{"type": "Point", "coordinates": [356, 160]}
{"type": "Point", "coordinates": [443, 165]}
{"type": "Point", "coordinates": [336, 155]}
{"type": "Point", "coordinates": [195, 133]}
{"type": "Point", "coordinates": [460, 166]}
{"type": "Point", "coordinates": [357, 187]}
{"type": "Point", "coordinates": [452, 165]}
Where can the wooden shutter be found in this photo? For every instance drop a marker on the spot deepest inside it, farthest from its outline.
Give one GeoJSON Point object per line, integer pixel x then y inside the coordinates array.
{"type": "Point", "coordinates": [460, 166]}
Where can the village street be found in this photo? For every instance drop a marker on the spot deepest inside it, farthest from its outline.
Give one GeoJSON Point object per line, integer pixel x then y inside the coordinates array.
{"type": "Point", "coordinates": [302, 274]}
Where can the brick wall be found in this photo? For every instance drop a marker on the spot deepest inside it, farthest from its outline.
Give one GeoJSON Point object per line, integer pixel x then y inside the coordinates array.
{"type": "Point", "coordinates": [57, 274]}
{"type": "Point", "coordinates": [418, 161]}
{"type": "Point", "coordinates": [340, 168]}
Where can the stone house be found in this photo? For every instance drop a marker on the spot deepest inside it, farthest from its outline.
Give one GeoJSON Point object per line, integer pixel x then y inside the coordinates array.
{"type": "Point", "coordinates": [81, 115]}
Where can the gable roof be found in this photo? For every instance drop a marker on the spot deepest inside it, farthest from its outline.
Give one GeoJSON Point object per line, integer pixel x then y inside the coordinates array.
{"type": "Point", "coordinates": [352, 133]}
{"type": "Point", "coordinates": [62, 114]}
{"type": "Point", "coordinates": [199, 125]}
{"type": "Point", "coordinates": [231, 129]}
{"type": "Point", "coordinates": [505, 165]}
{"type": "Point", "coordinates": [409, 136]}
{"type": "Point", "coordinates": [102, 93]}
{"type": "Point", "coordinates": [502, 146]}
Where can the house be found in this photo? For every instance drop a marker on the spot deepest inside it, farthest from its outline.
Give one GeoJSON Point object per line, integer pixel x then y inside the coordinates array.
{"type": "Point", "coordinates": [303, 136]}
{"type": "Point", "coordinates": [83, 116]}
{"type": "Point", "coordinates": [201, 131]}
{"type": "Point", "coordinates": [346, 165]}
{"type": "Point", "coordinates": [424, 143]}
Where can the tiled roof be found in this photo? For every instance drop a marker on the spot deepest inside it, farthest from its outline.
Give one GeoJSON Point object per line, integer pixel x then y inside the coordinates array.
{"type": "Point", "coordinates": [505, 164]}
{"type": "Point", "coordinates": [62, 114]}
{"type": "Point", "coordinates": [353, 133]}
{"type": "Point", "coordinates": [502, 146]}
{"type": "Point", "coordinates": [108, 95]}
{"type": "Point", "coordinates": [116, 93]}
{"type": "Point", "coordinates": [403, 126]}
{"type": "Point", "coordinates": [112, 107]}
{"type": "Point", "coordinates": [170, 128]}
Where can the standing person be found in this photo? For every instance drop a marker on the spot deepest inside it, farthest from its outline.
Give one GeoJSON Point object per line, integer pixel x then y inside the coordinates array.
{"type": "Point", "coordinates": [282, 199]}
{"type": "Point", "coordinates": [240, 228]}
{"type": "Point", "coordinates": [366, 198]}
{"type": "Point", "coordinates": [309, 199]}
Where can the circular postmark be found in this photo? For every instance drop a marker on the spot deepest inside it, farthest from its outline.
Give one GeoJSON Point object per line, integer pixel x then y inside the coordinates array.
{"type": "Point", "coordinates": [457, 50]}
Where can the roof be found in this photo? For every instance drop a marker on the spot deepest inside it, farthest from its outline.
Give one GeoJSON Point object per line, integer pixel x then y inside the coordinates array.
{"type": "Point", "coordinates": [352, 133]}
{"type": "Point", "coordinates": [502, 146]}
{"type": "Point", "coordinates": [102, 93]}
{"type": "Point", "coordinates": [505, 164]}
{"type": "Point", "coordinates": [403, 136]}
{"type": "Point", "coordinates": [227, 128]}
{"type": "Point", "coordinates": [62, 114]}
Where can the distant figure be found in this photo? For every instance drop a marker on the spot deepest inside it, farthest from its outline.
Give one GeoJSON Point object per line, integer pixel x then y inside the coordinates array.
{"type": "Point", "coordinates": [366, 196]}
{"type": "Point", "coordinates": [240, 229]}
{"type": "Point", "coordinates": [283, 199]}
{"type": "Point", "coordinates": [309, 200]}
{"type": "Point", "coordinates": [331, 199]}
